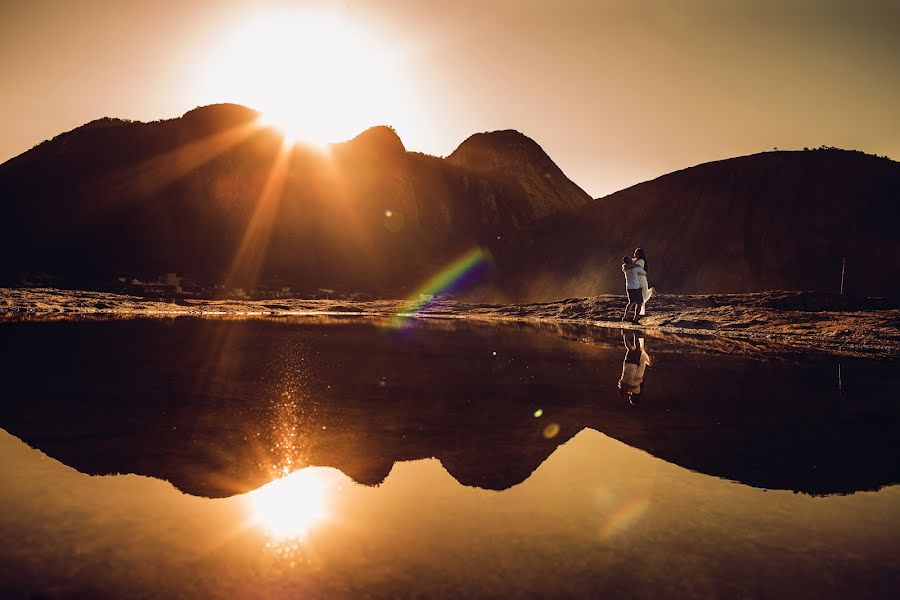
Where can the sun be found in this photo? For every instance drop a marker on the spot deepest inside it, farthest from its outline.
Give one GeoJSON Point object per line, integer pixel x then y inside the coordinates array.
{"type": "Point", "coordinates": [295, 129]}
{"type": "Point", "coordinates": [316, 78]}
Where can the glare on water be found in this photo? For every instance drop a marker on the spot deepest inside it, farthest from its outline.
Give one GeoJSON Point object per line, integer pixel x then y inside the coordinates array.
{"type": "Point", "coordinates": [293, 505]}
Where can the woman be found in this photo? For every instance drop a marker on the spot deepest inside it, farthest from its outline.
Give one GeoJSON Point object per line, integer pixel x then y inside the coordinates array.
{"type": "Point", "coordinates": [640, 258]}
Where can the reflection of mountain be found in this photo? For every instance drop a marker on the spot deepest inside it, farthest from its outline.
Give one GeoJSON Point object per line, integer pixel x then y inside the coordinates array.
{"type": "Point", "coordinates": [115, 197]}
{"type": "Point", "coordinates": [125, 198]}
{"type": "Point", "coordinates": [596, 519]}
{"type": "Point", "coordinates": [213, 405]}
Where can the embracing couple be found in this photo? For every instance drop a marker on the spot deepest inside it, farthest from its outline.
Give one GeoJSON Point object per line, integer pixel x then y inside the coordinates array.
{"type": "Point", "coordinates": [636, 286]}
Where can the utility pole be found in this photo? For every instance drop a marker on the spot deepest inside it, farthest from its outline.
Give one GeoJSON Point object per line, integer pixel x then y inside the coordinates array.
{"type": "Point", "coordinates": [840, 382]}
{"type": "Point", "coordinates": [843, 268]}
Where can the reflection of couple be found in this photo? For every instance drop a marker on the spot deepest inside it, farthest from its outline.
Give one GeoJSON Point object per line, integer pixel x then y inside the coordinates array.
{"type": "Point", "coordinates": [637, 288]}
{"type": "Point", "coordinates": [631, 384]}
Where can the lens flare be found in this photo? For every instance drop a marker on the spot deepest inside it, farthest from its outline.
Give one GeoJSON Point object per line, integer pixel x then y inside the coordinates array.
{"type": "Point", "coordinates": [623, 518]}
{"type": "Point", "coordinates": [452, 277]}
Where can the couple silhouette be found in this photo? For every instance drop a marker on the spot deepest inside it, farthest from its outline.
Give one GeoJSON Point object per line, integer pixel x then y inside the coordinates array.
{"type": "Point", "coordinates": [637, 288]}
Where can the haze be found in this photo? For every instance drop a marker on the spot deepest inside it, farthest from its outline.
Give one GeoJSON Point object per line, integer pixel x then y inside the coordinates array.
{"type": "Point", "coordinates": [615, 92]}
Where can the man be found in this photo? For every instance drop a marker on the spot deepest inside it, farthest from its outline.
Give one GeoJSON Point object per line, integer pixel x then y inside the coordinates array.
{"type": "Point", "coordinates": [632, 287]}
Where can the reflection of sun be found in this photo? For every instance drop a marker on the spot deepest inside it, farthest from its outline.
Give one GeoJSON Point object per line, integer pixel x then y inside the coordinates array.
{"type": "Point", "coordinates": [289, 507]}
{"type": "Point", "coordinates": [314, 77]}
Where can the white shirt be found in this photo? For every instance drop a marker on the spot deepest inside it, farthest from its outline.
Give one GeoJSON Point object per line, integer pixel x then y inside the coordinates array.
{"type": "Point", "coordinates": [643, 278]}
{"type": "Point", "coordinates": [633, 374]}
{"type": "Point", "coordinates": [632, 277]}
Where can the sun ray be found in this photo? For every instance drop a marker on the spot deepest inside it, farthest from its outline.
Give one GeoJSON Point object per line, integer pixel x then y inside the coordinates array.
{"type": "Point", "coordinates": [161, 170]}
{"type": "Point", "coordinates": [245, 267]}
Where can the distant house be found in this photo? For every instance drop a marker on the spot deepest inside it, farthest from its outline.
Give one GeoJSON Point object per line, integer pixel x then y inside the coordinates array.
{"type": "Point", "coordinates": [190, 287]}
{"type": "Point", "coordinates": [159, 290]}
{"type": "Point", "coordinates": [167, 285]}
{"type": "Point", "coordinates": [274, 288]}
{"type": "Point", "coordinates": [172, 280]}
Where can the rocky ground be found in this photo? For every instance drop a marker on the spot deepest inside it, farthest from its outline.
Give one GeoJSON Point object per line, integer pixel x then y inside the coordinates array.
{"type": "Point", "coordinates": [798, 321]}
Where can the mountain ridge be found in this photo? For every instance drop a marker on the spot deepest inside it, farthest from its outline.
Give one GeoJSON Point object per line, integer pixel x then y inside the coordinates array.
{"type": "Point", "coordinates": [116, 197]}
{"type": "Point", "coordinates": [138, 198]}
{"type": "Point", "coordinates": [766, 221]}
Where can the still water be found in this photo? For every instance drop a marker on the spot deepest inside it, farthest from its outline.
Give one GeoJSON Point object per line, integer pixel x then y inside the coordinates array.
{"type": "Point", "coordinates": [324, 458]}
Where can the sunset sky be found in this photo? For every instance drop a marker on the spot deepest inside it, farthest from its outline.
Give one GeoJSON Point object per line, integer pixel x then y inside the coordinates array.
{"type": "Point", "coordinates": [616, 92]}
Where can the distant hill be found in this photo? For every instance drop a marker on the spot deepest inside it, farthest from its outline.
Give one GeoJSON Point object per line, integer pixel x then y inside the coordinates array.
{"type": "Point", "coordinates": [776, 220]}
{"type": "Point", "coordinates": [214, 195]}
{"type": "Point", "coordinates": [199, 195]}
{"type": "Point", "coordinates": [521, 163]}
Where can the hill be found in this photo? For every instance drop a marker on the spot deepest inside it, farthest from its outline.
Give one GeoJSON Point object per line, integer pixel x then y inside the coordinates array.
{"type": "Point", "coordinates": [769, 221]}
{"type": "Point", "coordinates": [215, 195]}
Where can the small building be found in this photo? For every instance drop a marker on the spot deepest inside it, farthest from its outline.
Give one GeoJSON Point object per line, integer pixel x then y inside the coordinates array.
{"type": "Point", "coordinates": [172, 280]}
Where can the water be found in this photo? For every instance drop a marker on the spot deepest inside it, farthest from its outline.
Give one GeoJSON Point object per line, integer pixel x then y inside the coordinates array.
{"type": "Point", "coordinates": [442, 458]}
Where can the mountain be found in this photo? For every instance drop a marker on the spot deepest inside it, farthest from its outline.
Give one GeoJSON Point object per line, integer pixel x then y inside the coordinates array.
{"type": "Point", "coordinates": [219, 197]}
{"type": "Point", "coordinates": [521, 163]}
{"type": "Point", "coordinates": [775, 220]}
{"type": "Point", "coordinates": [216, 196]}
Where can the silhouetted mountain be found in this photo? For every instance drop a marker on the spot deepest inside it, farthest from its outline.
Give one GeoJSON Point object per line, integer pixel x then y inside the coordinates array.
{"type": "Point", "coordinates": [214, 195]}
{"type": "Point", "coordinates": [521, 163]}
{"type": "Point", "coordinates": [776, 220]}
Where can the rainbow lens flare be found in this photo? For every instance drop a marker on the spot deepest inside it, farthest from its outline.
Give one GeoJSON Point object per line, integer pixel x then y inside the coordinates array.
{"type": "Point", "coordinates": [623, 518]}
{"type": "Point", "coordinates": [463, 269]}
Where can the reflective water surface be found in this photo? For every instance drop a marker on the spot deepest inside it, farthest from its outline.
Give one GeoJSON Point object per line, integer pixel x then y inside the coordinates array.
{"type": "Point", "coordinates": [345, 458]}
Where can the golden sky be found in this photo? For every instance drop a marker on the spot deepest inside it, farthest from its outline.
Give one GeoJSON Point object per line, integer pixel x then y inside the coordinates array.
{"type": "Point", "coordinates": [616, 92]}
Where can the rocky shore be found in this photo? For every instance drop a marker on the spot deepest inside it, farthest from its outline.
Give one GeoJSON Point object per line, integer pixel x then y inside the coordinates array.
{"type": "Point", "coordinates": [799, 321]}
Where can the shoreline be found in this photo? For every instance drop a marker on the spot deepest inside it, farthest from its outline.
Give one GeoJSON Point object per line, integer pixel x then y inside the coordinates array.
{"type": "Point", "coordinates": [794, 321]}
